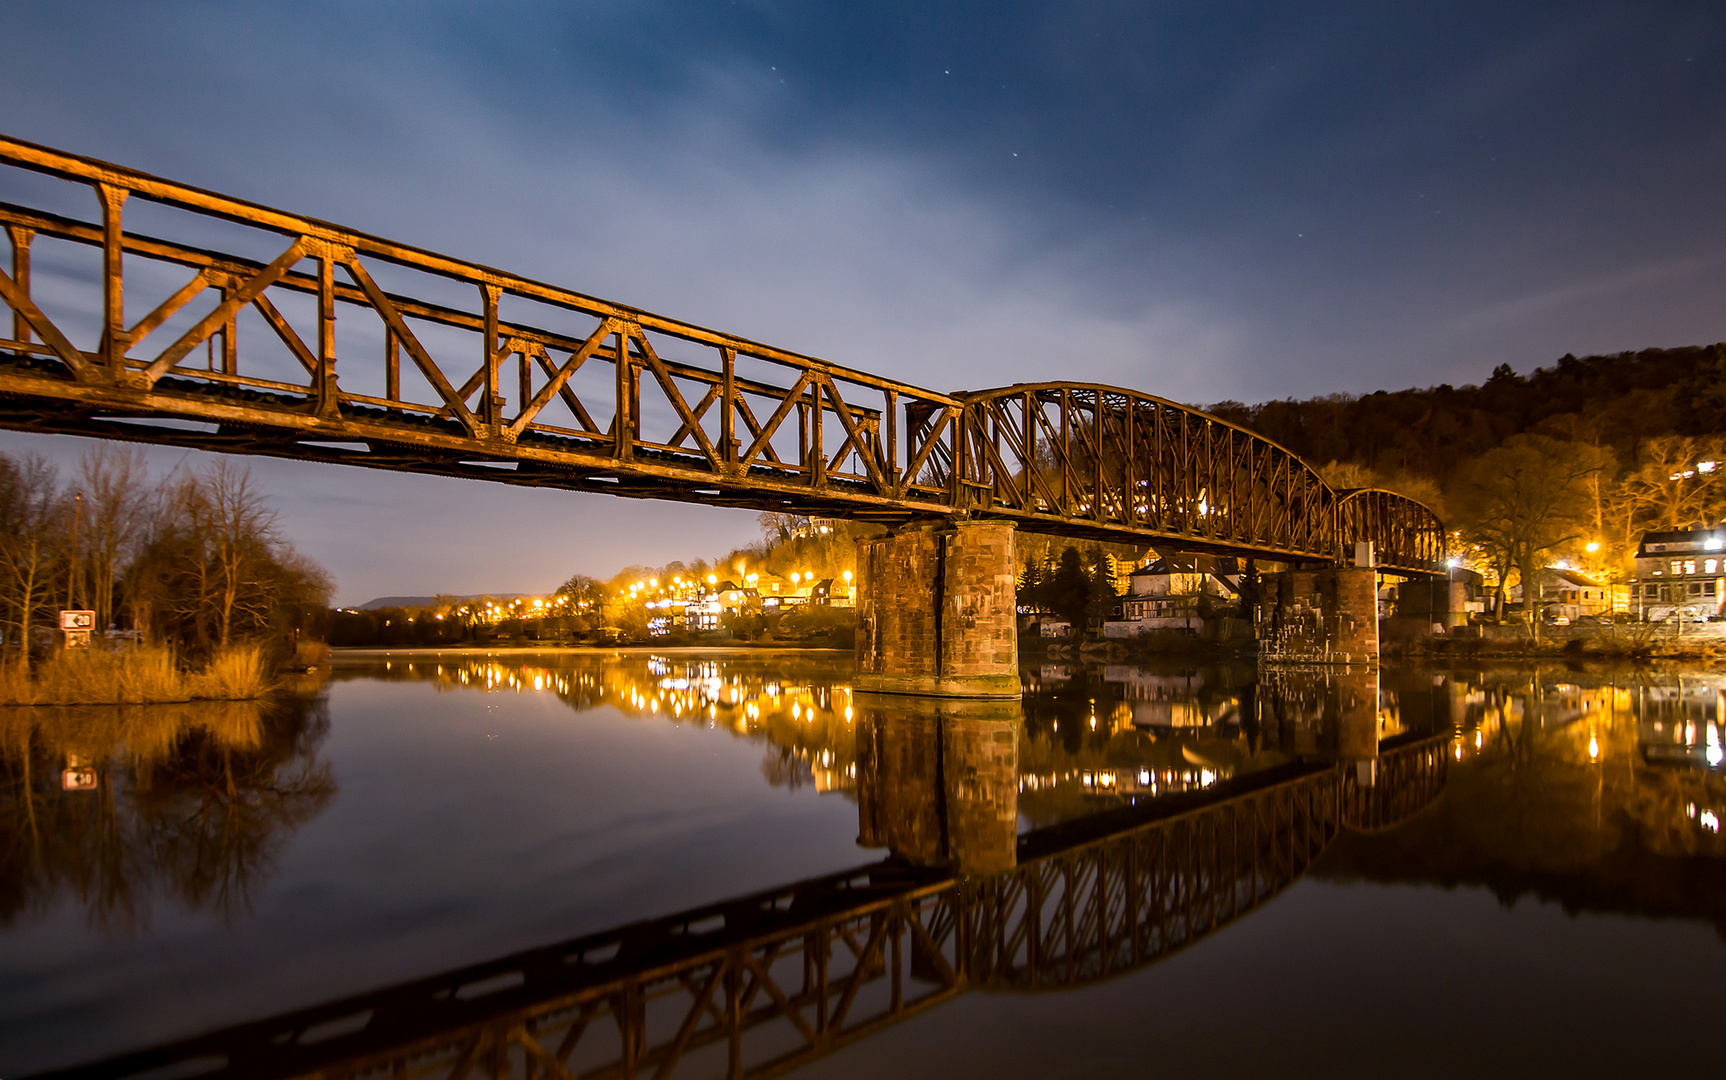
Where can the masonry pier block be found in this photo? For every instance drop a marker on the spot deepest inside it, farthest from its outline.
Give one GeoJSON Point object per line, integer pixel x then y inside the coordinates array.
{"type": "Point", "coordinates": [1320, 617]}
{"type": "Point", "coordinates": [936, 612]}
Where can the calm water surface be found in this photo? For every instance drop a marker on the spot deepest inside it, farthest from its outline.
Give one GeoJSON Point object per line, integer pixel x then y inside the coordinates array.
{"type": "Point", "coordinates": [1524, 870]}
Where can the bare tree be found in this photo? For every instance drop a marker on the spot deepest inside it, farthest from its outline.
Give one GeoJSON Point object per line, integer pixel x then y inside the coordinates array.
{"type": "Point", "coordinates": [1523, 501]}
{"type": "Point", "coordinates": [112, 479]}
{"type": "Point", "coordinates": [28, 497]}
{"type": "Point", "coordinates": [1678, 480]}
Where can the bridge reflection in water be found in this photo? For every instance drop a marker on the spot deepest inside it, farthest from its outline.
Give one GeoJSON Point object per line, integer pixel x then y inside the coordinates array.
{"type": "Point", "coordinates": [760, 983]}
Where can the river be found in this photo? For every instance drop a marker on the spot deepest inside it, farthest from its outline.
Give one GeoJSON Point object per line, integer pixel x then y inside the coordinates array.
{"type": "Point", "coordinates": [1524, 870]}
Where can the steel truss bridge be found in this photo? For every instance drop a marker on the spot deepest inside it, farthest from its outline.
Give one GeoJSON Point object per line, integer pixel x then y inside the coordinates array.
{"type": "Point", "coordinates": [761, 984]}
{"type": "Point", "coordinates": [189, 318]}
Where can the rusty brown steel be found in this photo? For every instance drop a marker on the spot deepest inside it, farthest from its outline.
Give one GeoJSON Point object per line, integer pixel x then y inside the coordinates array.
{"type": "Point", "coordinates": [674, 419]}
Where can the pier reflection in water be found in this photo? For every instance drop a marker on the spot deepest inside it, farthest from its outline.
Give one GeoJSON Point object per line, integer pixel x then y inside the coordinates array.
{"type": "Point", "coordinates": [1118, 814]}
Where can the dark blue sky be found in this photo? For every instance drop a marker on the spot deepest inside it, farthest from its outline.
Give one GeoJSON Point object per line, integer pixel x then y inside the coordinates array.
{"type": "Point", "coordinates": [1204, 201]}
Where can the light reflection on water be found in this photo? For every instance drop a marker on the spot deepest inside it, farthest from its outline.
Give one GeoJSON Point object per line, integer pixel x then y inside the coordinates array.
{"type": "Point", "coordinates": [1599, 791]}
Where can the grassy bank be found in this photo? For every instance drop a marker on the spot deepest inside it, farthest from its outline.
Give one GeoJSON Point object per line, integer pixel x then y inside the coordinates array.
{"type": "Point", "coordinates": [137, 676]}
{"type": "Point", "coordinates": [1641, 648]}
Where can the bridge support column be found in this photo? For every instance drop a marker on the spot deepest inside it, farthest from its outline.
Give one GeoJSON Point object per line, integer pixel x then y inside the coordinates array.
{"type": "Point", "coordinates": [1320, 617]}
{"type": "Point", "coordinates": [937, 612]}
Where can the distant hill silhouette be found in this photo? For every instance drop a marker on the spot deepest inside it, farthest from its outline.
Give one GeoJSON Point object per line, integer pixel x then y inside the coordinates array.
{"type": "Point", "coordinates": [1616, 400]}
{"type": "Point", "coordinates": [428, 601]}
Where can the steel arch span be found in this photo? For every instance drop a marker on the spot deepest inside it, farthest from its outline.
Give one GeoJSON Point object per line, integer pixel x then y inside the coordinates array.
{"type": "Point", "coordinates": [224, 325]}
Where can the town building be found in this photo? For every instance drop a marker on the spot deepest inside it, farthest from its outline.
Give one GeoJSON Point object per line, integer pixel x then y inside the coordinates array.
{"type": "Point", "coordinates": [1563, 593]}
{"type": "Point", "coordinates": [1680, 569]}
{"type": "Point", "coordinates": [1170, 594]}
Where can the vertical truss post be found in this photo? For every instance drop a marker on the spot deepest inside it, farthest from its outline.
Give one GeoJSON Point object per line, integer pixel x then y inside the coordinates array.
{"type": "Point", "coordinates": [1099, 421]}
{"type": "Point", "coordinates": [817, 456]}
{"type": "Point", "coordinates": [491, 408]}
{"type": "Point", "coordinates": [623, 424]}
{"type": "Point", "coordinates": [230, 338]}
{"type": "Point", "coordinates": [524, 382]}
{"type": "Point", "coordinates": [1129, 479]}
{"type": "Point", "coordinates": [113, 278]}
{"type": "Point", "coordinates": [20, 237]}
{"type": "Point", "coordinates": [392, 365]}
{"type": "Point", "coordinates": [326, 391]}
{"type": "Point", "coordinates": [734, 1015]}
{"type": "Point", "coordinates": [728, 405]}
{"type": "Point", "coordinates": [890, 465]}
{"type": "Point", "coordinates": [1064, 457]}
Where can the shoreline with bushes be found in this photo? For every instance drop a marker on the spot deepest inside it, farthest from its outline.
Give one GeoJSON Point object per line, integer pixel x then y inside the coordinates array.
{"type": "Point", "coordinates": [141, 675]}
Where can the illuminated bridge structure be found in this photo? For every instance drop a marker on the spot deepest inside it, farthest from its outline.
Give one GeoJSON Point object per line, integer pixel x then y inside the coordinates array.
{"type": "Point", "coordinates": [761, 984]}
{"type": "Point", "coordinates": [185, 317]}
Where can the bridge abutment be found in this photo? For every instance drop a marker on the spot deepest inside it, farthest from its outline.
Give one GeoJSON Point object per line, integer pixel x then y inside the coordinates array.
{"type": "Point", "coordinates": [937, 612]}
{"type": "Point", "coordinates": [1320, 616]}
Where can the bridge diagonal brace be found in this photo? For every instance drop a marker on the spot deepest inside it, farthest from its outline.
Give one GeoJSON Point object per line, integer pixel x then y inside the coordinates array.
{"type": "Point", "coordinates": [700, 411]}
{"type": "Point", "coordinates": [247, 292]}
{"type": "Point", "coordinates": [1004, 476]}
{"type": "Point", "coordinates": [1037, 482]}
{"type": "Point", "coordinates": [854, 436]}
{"type": "Point", "coordinates": [290, 337]}
{"type": "Point", "coordinates": [557, 383]}
{"type": "Point", "coordinates": [865, 958]}
{"type": "Point", "coordinates": [949, 415]}
{"type": "Point", "coordinates": [786, 1008]}
{"type": "Point", "coordinates": [393, 318]}
{"type": "Point", "coordinates": [675, 396]}
{"type": "Point", "coordinates": [792, 397]}
{"type": "Point", "coordinates": [552, 1065]}
{"type": "Point", "coordinates": [754, 427]}
{"type": "Point", "coordinates": [543, 359]}
{"type": "Point", "coordinates": [169, 307]}
{"type": "Point", "coordinates": [698, 1007]}
{"type": "Point", "coordinates": [50, 334]}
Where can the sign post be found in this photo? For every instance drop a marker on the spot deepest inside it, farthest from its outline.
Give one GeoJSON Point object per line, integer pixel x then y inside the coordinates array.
{"type": "Point", "coordinates": [76, 626]}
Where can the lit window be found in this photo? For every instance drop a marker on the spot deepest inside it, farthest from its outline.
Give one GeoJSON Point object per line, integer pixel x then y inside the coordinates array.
{"type": "Point", "coordinates": [1689, 566]}
{"type": "Point", "coordinates": [1708, 565]}
{"type": "Point", "coordinates": [1677, 567]}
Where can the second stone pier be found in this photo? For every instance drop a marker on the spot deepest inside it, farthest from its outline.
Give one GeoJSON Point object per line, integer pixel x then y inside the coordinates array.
{"type": "Point", "coordinates": [937, 612]}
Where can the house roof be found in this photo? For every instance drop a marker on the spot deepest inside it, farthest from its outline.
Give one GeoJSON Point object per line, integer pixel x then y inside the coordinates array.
{"type": "Point", "coordinates": [1682, 540]}
{"type": "Point", "coordinates": [1574, 577]}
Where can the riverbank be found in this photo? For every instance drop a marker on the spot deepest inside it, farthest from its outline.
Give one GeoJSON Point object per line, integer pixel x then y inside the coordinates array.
{"type": "Point", "coordinates": [1637, 642]}
{"type": "Point", "coordinates": [372, 652]}
{"type": "Point", "coordinates": [140, 675]}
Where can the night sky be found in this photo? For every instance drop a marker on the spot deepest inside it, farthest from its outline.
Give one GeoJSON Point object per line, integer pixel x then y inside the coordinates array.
{"type": "Point", "coordinates": [1202, 201]}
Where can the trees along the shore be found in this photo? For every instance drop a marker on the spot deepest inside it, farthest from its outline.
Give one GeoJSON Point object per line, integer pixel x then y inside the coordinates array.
{"type": "Point", "coordinates": [195, 561]}
{"type": "Point", "coordinates": [1523, 502]}
{"type": "Point", "coordinates": [1678, 480]}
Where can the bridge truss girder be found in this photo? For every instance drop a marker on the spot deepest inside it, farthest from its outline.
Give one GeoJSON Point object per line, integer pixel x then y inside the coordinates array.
{"type": "Point", "coordinates": [363, 351]}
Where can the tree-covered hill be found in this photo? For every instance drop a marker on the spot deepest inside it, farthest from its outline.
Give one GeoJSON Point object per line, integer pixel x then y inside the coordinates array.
{"type": "Point", "coordinates": [1616, 401]}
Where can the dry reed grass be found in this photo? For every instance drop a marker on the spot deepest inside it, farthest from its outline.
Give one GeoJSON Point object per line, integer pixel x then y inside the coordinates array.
{"type": "Point", "coordinates": [140, 675]}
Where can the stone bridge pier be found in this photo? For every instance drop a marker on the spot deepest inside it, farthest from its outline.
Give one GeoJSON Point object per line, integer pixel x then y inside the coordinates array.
{"type": "Point", "coordinates": [1325, 616]}
{"type": "Point", "coordinates": [937, 612]}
